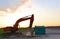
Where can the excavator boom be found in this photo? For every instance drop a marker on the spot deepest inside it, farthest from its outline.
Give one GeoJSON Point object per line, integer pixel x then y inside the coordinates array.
{"type": "Point", "coordinates": [23, 19]}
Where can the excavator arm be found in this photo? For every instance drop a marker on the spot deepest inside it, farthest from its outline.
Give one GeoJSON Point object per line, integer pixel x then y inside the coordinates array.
{"type": "Point", "coordinates": [15, 26]}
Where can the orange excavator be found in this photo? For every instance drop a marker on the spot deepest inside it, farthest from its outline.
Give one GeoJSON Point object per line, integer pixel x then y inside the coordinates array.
{"type": "Point", "coordinates": [15, 26]}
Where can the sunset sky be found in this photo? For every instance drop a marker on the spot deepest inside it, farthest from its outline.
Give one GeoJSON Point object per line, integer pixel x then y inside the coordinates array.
{"type": "Point", "coordinates": [46, 12]}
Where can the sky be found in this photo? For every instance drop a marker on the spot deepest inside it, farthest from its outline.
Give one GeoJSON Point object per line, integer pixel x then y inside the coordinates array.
{"type": "Point", "coordinates": [49, 5]}
{"type": "Point", "coordinates": [4, 4]}
{"type": "Point", "coordinates": [46, 12]}
{"type": "Point", "coordinates": [49, 9]}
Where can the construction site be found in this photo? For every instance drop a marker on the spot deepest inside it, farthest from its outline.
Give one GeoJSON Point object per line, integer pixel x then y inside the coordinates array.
{"type": "Point", "coordinates": [43, 17]}
{"type": "Point", "coordinates": [37, 32]}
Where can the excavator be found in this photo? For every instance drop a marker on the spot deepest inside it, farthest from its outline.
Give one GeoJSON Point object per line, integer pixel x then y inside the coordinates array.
{"type": "Point", "coordinates": [15, 26]}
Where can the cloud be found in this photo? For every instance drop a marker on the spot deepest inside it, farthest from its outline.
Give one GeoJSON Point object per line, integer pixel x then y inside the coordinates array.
{"type": "Point", "coordinates": [9, 4]}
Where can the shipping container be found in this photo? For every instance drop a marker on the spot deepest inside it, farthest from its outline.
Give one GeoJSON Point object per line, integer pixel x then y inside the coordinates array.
{"type": "Point", "coordinates": [39, 30]}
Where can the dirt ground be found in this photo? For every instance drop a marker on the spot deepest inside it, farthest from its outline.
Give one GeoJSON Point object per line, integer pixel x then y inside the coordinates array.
{"type": "Point", "coordinates": [47, 36]}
